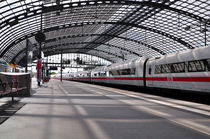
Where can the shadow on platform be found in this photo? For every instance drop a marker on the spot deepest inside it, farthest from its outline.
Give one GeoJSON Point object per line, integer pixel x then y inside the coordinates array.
{"type": "Point", "coordinates": [8, 109]}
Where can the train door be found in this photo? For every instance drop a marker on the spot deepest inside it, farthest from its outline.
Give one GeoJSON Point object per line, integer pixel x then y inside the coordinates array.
{"type": "Point", "coordinates": [150, 73]}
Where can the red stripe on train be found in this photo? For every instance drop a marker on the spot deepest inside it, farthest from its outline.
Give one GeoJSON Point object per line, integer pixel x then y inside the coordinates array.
{"type": "Point", "coordinates": [156, 79]}
{"type": "Point", "coordinates": [100, 78]}
{"type": "Point", "coordinates": [118, 78]}
{"type": "Point", "coordinates": [175, 79]}
{"type": "Point", "coordinates": [128, 78]}
{"type": "Point", "coordinates": [180, 79]}
{"type": "Point", "coordinates": [191, 79]}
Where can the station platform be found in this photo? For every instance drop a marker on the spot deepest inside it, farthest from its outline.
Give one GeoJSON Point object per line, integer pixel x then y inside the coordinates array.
{"type": "Point", "coordinates": [73, 110]}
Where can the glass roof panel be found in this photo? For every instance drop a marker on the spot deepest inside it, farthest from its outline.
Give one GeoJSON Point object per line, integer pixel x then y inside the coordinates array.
{"type": "Point", "coordinates": [149, 28]}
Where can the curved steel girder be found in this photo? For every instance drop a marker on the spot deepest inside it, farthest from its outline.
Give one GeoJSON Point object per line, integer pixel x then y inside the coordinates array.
{"type": "Point", "coordinates": [58, 49]}
{"type": "Point", "coordinates": [152, 30]}
{"type": "Point", "coordinates": [96, 3]}
{"type": "Point", "coordinates": [67, 50]}
{"type": "Point", "coordinates": [107, 35]}
{"type": "Point", "coordinates": [22, 51]}
{"type": "Point", "coordinates": [66, 44]}
{"type": "Point", "coordinates": [86, 35]}
{"type": "Point", "coordinates": [123, 24]}
{"type": "Point", "coordinates": [162, 6]}
{"type": "Point", "coordinates": [92, 23]}
{"type": "Point", "coordinates": [90, 3]}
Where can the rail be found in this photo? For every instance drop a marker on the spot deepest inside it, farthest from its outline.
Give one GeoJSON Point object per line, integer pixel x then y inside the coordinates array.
{"type": "Point", "coordinates": [15, 84]}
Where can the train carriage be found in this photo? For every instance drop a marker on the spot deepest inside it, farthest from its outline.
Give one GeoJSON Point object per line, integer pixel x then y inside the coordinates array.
{"type": "Point", "coordinates": [83, 76]}
{"type": "Point", "coordinates": [4, 66]}
{"type": "Point", "coordinates": [126, 73]}
{"type": "Point", "coordinates": [188, 70]}
{"type": "Point", "coordinates": [99, 75]}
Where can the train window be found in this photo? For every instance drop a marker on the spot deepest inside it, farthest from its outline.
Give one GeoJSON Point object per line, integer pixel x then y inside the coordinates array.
{"type": "Point", "coordinates": [133, 71]}
{"type": "Point", "coordinates": [110, 73]}
{"type": "Point", "coordinates": [178, 67]}
{"type": "Point", "coordinates": [197, 66]}
{"type": "Point", "coordinates": [157, 69]}
{"type": "Point", "coordinates": [208, 64]}
{"type": "Point", "coordinates": [127, 71]}
{"type": "Point", "coordinates": [121, 72]}
{"type": "Point", "coordinates": [124, 71]}
{"type": "Point", "coordinates": [193, 66]}
{"type": "Point", "coordinates": [102, 74]}
{"type": "Point", "coordinates": [166, 68]}
{"type": "Point", "coordinates": [114, 72]}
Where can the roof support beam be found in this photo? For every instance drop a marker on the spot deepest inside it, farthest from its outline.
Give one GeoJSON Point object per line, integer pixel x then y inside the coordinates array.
{"type": "Point", "coordinates": [107, 35]}
{"type": "Point", "coordinates": [72, 5]}
{"type": "Point", "coordinates": [114, 46]}
{"type": "Point", "coordinates": [152, 30]}
{"type": "Point", "coordinates": [65, 51]}
{"type": "Point", "coordinates": [97, 3]}
{"type": "Point", "coordinates": [123, 24]}
{"type": "Point", "coordinates": [92, 23]}
{"type": "Point", "coordinates": [57, 48]}
{"type": "Point", "coordinates": [86, 35]}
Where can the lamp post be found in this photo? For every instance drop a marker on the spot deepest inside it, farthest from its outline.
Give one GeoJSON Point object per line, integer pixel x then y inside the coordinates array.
{"type": "Point", "coordinates": [61, 65]}
{"type": "Point", "coordinates": [26, 60]}
{"type": "Point", "coordinates": [40, 38]}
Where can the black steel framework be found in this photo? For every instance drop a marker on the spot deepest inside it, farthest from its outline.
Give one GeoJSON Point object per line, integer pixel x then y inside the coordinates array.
{"type": "Point", "coordinates": [115, 29]}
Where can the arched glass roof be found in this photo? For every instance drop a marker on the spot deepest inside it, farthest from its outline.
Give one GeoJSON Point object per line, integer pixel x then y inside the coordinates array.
{"type": "Point", "coordinates": [112, 29]}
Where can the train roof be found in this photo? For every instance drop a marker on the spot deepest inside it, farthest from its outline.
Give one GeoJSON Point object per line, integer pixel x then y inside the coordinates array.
{"type": "Point", "coordinates": [101, 68]}
{"type": "Point", "coordinates": [128, 63]}
{"type": "Point", "coordinates": [188, 55]}
{"type": "Point", "coordinates": [13, 73]}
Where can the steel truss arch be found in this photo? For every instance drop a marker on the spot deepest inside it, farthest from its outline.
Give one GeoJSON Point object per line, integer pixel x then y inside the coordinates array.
{"type": "Point", "coordinates": [55, 47]}
{"type": "Point", "coordinates": [108, 35]}
{"type": "Point", "coordinates": [75, 43]}
{"type": "Point", "coordinates": [67, 50]}
{"type": "Point", "coordinates": [27, 13]}
{"type": "Point", "coordinates": [92, 23]}
{"type": "Point", "coordinates": [95, 3]}
{"type": "Point", "coordinates": [50, 53]}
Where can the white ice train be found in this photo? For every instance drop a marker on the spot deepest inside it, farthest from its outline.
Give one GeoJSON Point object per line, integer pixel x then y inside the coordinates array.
{"type": "Point", "coordinates": [4, 66]}
{"type": "Point", "coordinates": [188, 70]}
